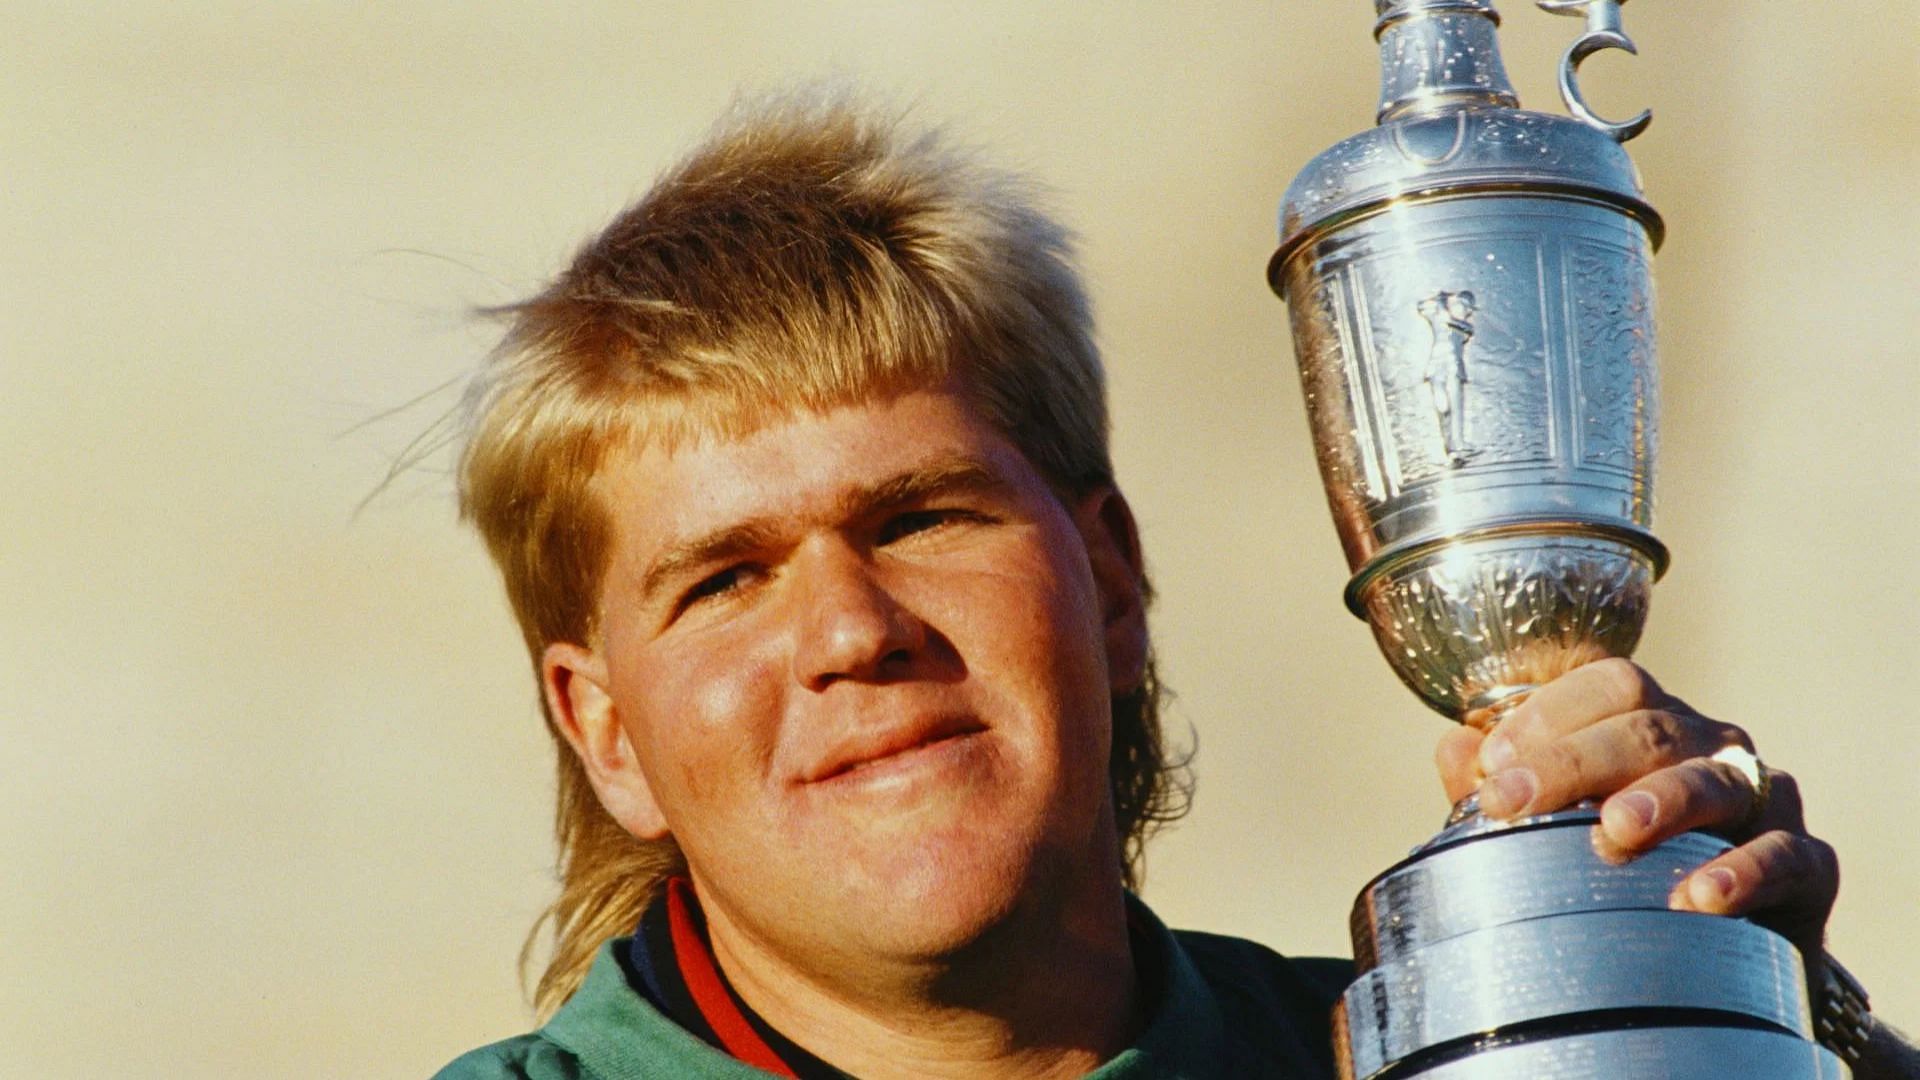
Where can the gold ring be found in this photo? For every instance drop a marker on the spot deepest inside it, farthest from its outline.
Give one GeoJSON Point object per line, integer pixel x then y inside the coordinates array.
{"type": "Point", "coordinates": [1748, 765]}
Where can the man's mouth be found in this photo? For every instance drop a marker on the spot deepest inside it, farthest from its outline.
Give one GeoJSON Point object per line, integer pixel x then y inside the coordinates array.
{"type": "Point", "coordinates": [868, 750]}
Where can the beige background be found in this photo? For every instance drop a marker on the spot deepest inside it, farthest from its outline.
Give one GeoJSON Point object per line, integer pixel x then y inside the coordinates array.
{"type": "Point", "coordinates": [275, 798]}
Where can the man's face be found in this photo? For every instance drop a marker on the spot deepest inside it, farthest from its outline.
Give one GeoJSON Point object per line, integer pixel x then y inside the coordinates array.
{"type": "Point", "coordinates": [862, 661]}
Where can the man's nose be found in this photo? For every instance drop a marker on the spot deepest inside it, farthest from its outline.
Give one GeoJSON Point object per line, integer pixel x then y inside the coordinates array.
{"type": "Point", "coordinates": [849, 625]}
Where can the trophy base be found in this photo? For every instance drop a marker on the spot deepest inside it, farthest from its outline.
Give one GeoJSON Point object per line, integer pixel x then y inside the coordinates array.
{"type": "Point", "coordinates": [1516, 950]}
{"type": "Point", "coordinates": [1642, 1052]}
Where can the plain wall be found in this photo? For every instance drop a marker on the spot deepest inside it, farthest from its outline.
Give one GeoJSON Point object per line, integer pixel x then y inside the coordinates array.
{"type": "Point", "coordinates": [277, 799]}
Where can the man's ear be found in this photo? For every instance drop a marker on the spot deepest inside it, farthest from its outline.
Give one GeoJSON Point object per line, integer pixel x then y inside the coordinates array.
{"type": "Point", "coordinates": [574, 680]}
{"type": "Point", "coordinates": [1119, 574]}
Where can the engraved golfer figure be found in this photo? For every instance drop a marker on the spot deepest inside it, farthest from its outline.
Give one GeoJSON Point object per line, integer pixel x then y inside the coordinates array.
{"type": "Point", "coordinates": [1449, 316]}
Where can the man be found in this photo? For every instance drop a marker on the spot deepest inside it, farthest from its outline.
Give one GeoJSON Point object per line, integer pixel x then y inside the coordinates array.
{"type": "Point", "coordinates": [798, 479]}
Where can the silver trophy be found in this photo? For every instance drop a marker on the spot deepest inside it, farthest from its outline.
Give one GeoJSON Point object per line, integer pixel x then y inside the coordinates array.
{"type": "Point", "coordinates": [1472, 313]}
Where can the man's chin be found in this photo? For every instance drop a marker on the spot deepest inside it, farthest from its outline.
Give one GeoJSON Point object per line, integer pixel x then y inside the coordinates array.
{"type": "Point", "coordinates": [943, 894]}
{"type": "Point", "coordinates": [937, 925]}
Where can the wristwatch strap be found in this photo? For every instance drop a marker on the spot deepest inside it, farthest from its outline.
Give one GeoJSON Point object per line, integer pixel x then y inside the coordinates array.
{"type": "Point", "coordinates": [1841, 1020]}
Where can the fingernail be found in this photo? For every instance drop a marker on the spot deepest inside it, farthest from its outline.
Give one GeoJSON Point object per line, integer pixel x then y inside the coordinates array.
{"type": "Point", "coordinates": [1711, 888]}
{"type": "Point", "coordinates": [1496, 753]}
{"type": "Point", "coordinates": [1631, 813]}
{"type": "Point", "coordinates": [1511, 791]}
{"type": "Point", "coordinates": [1611, 853]}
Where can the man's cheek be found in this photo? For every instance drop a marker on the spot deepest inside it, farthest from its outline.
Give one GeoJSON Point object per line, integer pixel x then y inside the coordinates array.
{"type": "Point", "coordinates": [695, 780]}
{"type": "Point", "coordinates": [727, 693]}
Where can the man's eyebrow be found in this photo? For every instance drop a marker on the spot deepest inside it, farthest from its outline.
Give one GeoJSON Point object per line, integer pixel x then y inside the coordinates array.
{"type": "Point", "coordinates": [717, 546]}
{"type": "Point", "coordinates": [943, 477]}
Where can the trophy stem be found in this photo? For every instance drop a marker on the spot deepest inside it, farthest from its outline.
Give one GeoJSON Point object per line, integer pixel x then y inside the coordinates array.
{"type": "Point", "coordinates": [1487, 708]}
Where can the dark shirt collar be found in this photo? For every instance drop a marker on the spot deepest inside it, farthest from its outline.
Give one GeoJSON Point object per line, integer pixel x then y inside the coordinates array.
{"type": "Point", "coordinates": [671, 963]}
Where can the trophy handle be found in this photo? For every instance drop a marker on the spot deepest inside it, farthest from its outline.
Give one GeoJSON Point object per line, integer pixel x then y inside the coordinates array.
{"type": "Point", "coordinates": [1603, 32]}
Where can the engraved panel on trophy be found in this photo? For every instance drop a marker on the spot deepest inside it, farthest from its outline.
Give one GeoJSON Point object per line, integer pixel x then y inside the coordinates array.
{"type": "Point", "coordinates": [1609, 292]}
{"type": "Point", "coordinates": [1462, 373]}
{"type": "Point", "coordinates": [1342, 437]}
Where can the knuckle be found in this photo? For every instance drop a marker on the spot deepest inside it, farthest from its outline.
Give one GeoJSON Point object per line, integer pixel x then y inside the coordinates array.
{"type": "Point", "coordinates": [1558, 766]}
{"type": "Point", "coordinates": [1517, 726]}
{"type": "Point", "coordinates": [1658, 735]}
{"type": "Point", "coordinates": [1629, 682]}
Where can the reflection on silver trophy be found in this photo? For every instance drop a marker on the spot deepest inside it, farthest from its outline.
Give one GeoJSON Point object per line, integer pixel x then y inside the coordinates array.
{"type": "Point", "coordinates": [1472, 313]}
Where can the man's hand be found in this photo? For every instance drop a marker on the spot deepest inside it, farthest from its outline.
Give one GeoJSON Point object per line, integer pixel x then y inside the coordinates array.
{"type": "Point", "coordinates": [1608, 731]}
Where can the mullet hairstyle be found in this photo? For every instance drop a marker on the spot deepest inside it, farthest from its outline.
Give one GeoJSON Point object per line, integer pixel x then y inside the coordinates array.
{"type": "Point", "coordinates": [807, 256]}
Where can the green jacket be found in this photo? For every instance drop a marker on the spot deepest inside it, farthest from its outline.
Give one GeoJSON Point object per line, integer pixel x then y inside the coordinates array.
{"type": "Point", "coordinates": [1228, 1008]}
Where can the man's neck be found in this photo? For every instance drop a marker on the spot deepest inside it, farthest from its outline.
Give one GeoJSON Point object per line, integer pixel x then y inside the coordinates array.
{"type": "Point", "coordinates": [1040, 996]}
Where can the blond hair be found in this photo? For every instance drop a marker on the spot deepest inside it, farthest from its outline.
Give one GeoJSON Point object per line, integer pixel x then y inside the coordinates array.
{"type": "Point", "coordinates": [808, 255]}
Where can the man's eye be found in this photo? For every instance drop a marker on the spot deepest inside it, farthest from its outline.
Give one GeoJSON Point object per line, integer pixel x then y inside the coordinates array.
{"type": "Point", "coordinates": [726, 581]}
{"type": "Point", "coordinates": [913, 522]}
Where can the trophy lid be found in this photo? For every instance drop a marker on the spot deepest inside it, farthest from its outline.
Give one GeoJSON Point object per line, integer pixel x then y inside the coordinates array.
{"type": "Point", "coordinates": [1450, 127]}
